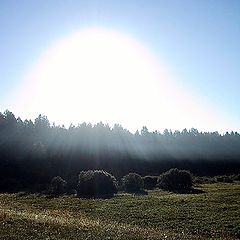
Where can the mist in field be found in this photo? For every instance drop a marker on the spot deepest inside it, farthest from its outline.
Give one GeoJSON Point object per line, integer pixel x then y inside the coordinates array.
{"type": "Point", "coordinates": [33, 152]}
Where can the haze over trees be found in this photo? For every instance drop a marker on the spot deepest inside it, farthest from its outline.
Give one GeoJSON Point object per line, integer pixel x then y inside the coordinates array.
{"type": "Point", "coordinates": [33, 152]}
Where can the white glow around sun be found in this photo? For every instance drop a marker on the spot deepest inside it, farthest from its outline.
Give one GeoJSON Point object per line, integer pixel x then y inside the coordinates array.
{"type": "Point", "coordinates": [101, 75]}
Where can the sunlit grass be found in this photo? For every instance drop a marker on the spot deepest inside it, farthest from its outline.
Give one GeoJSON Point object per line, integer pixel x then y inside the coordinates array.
{"type": "Point", "coordinates": [65, 223]}
{"type": "Point", "coordinates": [159, 215]}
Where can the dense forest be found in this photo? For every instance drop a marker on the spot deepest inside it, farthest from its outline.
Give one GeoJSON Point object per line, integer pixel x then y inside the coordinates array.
{"type": "Point", "coordinates": [31, 153]}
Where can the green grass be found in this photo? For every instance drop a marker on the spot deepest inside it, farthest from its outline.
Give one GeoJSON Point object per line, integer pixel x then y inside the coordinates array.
{"type": "Point", "coordinates": [213, 214]}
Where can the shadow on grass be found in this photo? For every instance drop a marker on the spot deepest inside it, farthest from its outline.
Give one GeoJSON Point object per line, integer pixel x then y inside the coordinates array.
{"type": "Point", "coordinates": [96, 196]}
{"type": "Point", "coordinates": [188, 191]}
{"type": "Point", "coordinates": [136, 193]}
{"type": "Point", "coordinates": [141, 192]}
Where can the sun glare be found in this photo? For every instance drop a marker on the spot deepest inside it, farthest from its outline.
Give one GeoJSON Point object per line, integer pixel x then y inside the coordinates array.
{"type": "Point", "coordinates": [101, 75]}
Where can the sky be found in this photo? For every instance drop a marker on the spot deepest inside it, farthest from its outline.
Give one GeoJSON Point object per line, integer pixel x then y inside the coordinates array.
{"type": "Point", "coordinates": [197, 41]}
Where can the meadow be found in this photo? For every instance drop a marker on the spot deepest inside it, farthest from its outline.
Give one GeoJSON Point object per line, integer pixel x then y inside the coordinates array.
{"type": "Point", "coordinates": [212, 214]}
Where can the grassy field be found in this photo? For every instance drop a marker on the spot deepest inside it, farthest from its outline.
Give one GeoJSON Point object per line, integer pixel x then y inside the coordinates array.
{"type": "Point", "coordinates": [213, 214]}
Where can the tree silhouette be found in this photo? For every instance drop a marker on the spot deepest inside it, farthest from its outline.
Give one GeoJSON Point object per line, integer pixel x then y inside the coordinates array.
{"type": "Point", "coordinates": [32, 153]}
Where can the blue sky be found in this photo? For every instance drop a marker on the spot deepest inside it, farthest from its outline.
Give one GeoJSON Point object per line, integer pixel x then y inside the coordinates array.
{"type": "Point", "coordinates": [197, 40]}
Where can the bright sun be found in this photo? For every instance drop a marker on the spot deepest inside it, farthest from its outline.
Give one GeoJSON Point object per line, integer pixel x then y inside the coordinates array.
{"type": "Point", "coordinates": [101, 75]}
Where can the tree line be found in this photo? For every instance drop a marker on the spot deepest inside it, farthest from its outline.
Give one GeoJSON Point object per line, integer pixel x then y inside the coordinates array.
{"type": "Point", "coordinates": [33, 152]}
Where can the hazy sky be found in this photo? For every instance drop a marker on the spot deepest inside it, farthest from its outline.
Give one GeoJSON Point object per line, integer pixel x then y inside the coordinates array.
{"type": "Point", "coordinates": [197, 40]}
